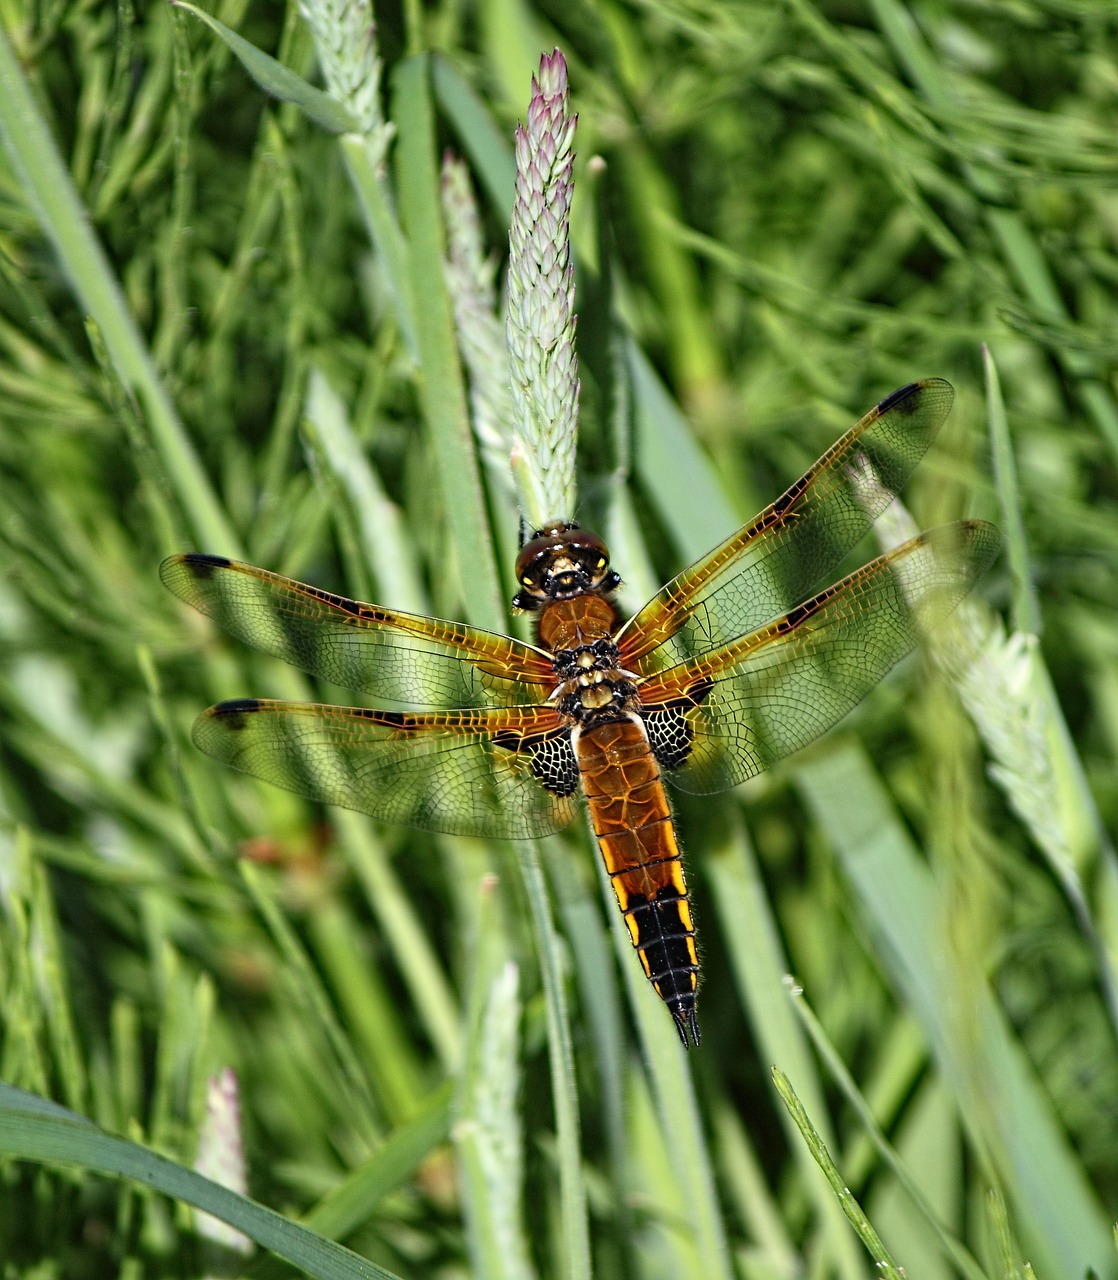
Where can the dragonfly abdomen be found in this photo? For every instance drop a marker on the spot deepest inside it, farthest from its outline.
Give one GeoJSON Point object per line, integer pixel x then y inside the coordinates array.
{"type": "Point", "coordinates": [633, 823]}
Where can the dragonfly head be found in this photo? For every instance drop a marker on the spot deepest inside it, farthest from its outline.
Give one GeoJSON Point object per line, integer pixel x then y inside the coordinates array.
{"type": "Point", "coordinates": [561, 561]}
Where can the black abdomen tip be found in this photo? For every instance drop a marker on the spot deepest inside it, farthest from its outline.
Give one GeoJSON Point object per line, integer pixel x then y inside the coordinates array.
{"type": "Point", "coordinates": [683, 1011]}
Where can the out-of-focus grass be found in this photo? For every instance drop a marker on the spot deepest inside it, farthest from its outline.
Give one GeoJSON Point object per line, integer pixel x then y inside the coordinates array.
{"type": "Point", "coordinates": [802, 207]}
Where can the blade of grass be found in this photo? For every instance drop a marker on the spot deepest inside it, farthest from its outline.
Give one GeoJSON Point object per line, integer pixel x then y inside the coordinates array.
{"type": "Point", "coordinates": [673, 468]}
{"type": "Point", "coordinates": [994, 1087]}
{"type": "Point", "coordinates": [1019, 246]}
{"type": "Point", "coordinates": [703, 1253]}
{"type": "Point", "coordinates": [883, 1263]}
{"type": "Point", "coordinates": [354, 1200]}
{"type": "Point", "coordinates": [442, 389]}
{"type": "Point", "coordinates": [960, 1256]}
{"type": "Point", "coordinates": [384, 231]}
{"type": "Point", "coordinates": [50, 963]}
{"type": "Point", "coordinates": [599, 1001]}
{"type": "Point", "coordinates": [47, 185]}
{"type": "Point", "coordinates": [384, 547]}
{"type": "Point", "coordinates": [395, 914]}
{"type": "Point", "coordinates": [692, 348]}
{"type": "Point", "coordinates": [564, 1087]}
{"type": "Point", "coordinates": [1026, 611]}
{"type": "Point", "coordinates": [486, 147]}
{"type": "Point", "coordinates": [34, 1129]}
{"type": "Point", "coordinates": [277, 80]}
{"type": "Point", "coordinates": [760, 973]}
{"type": "Point", "coordinates": [309, 992]}
{"type": "Point", "coordinates": [661, 1242]}
{"type": "Point", "coordinates": [487, 1133]}
{"type": "Point", "coordinates": [744, 1179]}
{"type": "Point", "coordinates": [371, 1016]}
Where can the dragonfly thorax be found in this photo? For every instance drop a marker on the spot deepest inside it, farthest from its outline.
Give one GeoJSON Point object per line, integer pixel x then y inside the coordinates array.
{"type": "Point", "coordinates": [601, 655]}
{"type": "Point", "coordinates": [591, 686]}
{"type": "Point", "coordinates": [597, 697]}
{"type": "Point", "coordinates": [577, 633]}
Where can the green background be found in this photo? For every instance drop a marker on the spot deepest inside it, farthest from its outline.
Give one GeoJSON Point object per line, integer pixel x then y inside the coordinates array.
{"type": "Point", "coordinates": [801, 207]}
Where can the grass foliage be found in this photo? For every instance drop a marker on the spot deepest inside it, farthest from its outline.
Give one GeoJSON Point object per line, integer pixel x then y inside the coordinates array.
{"type": "Point", "coordinates": [223, 329]}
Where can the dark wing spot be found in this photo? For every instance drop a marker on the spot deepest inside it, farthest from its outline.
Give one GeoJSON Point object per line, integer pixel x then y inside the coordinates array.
{"type": "Point", "coordinates": [787, 498]}
{"type": "Point", "coordinates": [554, 763]}
{"type": "Point", "coordinates": [202, 565]}
{"type": "Point", "coordinates": [235, 710]}
{"type": "Point", "coordinates": [894, 398]}
{"type": "Point", "coordinates": [699, 690]}
{"type": "Point", "coordinates": [398, 719]}
{"type": "Point", "coordinates": [343, 603]}
{"type": "Point", "coordinates": [794, 617]}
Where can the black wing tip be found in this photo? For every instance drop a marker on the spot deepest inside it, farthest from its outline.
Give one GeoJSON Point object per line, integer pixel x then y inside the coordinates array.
{"type": "Point", "coordinates": [902, 398]}
{"type": "Point", "coordinates": [201, 564]}
{"type": "Point", "coordinates": [233, 712]}
{"type": "Point", "coordinates": [198, 563]}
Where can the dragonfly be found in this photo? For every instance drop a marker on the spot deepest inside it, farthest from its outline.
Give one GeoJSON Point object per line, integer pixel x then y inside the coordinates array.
{"type": "Point", "coordinates": [733, 665]}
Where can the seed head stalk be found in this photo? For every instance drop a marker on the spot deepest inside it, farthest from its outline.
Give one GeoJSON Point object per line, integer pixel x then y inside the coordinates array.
{"type": "Point", "coordinates": [540, 324]}
{"type": "Point", "coordinates": [471, 276]}
{"type": "Point", "coordinates": [345, 40]}
{"type": "Point", "coordinates": [221, 1157]}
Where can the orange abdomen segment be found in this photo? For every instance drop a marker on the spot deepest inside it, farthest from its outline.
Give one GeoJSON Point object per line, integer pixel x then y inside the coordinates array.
{"type": "Point", "coordinates": [631, 818]}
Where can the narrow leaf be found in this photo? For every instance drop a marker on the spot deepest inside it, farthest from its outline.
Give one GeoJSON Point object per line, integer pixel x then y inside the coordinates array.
{"type": "Point", "coordinates": [277, 80]}
{"type": "Point", "coordinates": [32, 1129]}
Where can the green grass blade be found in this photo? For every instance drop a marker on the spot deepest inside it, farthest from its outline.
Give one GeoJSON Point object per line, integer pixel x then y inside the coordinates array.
{"type": "Point", "coordinates": [701, 1251]}
{"type": "Point", "coordinates": [384, 231]}
{"type": "Point", "coordinates": [47, 185]}
{"type": "Point", "coordinates": [355, 1199]}
{"type": "Point", "coordinates": [883, 1263]}
{"type": "Point", "coordinates": [488, 1136]}
{"type": "Point", "coordinates": [572, 1190]}
{"type": "Point", "coordinates": [402, 927]}
{"type": "Point", "coordinates": [960, 1255]}
{"type": "Point", "coordinates": [277, 80]}
{"type": "Point", "coordinates": [995, 1089]}
{"type": "Point", "coordinates": [1026, 612]}
{"type": "Point", "coordinates": [486, 146]}
{"type": "Point", "coordinates": [761, 973]}
{"type": "Point", "coordinates": [384, 548]}
{"type": "Point", "coordinates": [679, 475]}
{"type": "Point", "coordinates": [33, 1129]}
{"type": "Point", "coordinates": [442, 390]}
{"type": "Point", "coordinates": [311, 999]}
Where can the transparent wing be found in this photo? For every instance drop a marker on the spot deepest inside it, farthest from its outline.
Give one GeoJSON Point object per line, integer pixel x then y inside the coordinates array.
{"type": "Point", "coordinates": [763, 569]}
{"type": "Point", "coordinates": [470, 773]}
{"type": "Point", "coordinates": [399, 657]}
{"type": "Point", "coordinates": [735, 712]}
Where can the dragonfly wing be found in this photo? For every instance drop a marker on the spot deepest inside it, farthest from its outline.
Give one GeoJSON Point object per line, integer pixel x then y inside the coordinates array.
{"type": "Point", "coordinates": [399, 657]}
{"type": "Point", "coordinates": [503, 774]}
{"type": "Point", "coordinates": [765, 568]}
{"type": "Point", "coordinates": [724, 717]}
